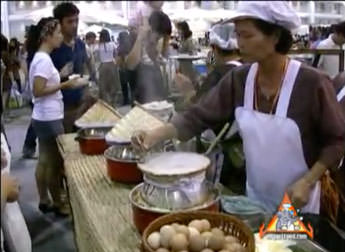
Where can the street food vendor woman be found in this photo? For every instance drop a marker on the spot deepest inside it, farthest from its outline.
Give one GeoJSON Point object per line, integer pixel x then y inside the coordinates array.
{"type": "Point", "coordinates": [287, 113]}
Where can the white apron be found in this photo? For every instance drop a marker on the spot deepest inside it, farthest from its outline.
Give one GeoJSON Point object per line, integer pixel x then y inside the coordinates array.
{"type": "Point", "coordinates": [272, 146]}
{"type": "Point", "coordinates": [13, 224]}
{"type": "Point", "coordinates": [233, 62]}
{"type": "Point", "coordinates": [341, 94]}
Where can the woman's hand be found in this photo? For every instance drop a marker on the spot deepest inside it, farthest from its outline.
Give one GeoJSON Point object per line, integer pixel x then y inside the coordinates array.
{"type": "Point", "coordinates": [70, 83]}
{"type": "Point", "coordinates": [145, 140]}
{"type": "Point", "coordinates": [10, 186]}
{"type": "Point", "coordinates": [66, 70]}
{"type": "Point", "coordinates": [299, 193]}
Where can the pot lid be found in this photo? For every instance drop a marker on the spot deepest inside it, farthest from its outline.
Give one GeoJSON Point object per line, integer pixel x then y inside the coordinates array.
{"type": "Point", "coordinates": [174, 163]}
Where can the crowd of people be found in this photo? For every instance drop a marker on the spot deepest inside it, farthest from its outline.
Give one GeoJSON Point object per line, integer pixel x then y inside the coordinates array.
{"type": "Point", "coordinates": [51, 65]}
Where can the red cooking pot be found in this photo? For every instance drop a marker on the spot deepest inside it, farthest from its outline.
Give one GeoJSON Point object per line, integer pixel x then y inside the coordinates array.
{"type": "Point", "coordinates": [143, 214]}
{"type": "Point", "coordinates": [120, 167]}
{"type": "Point", "coordinates": [92, 140]}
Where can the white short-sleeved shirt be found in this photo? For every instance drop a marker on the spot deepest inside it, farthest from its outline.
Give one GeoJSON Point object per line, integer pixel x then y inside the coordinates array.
{"type": "Point", "coordinates": [50, 107]}
{"type": "Point", "coordinates": [329, 63]}
{"type": "Point", "coordinates": [106, 52]}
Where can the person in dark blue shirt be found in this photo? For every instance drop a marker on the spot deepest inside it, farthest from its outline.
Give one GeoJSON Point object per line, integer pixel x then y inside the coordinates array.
{"type": "Point", "coordinates": [71, 58]}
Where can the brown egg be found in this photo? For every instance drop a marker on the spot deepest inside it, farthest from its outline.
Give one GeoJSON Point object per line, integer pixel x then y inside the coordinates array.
{"type": "Point", "coordinates": [197, 243]}
{"type": "Point", "coordinates": [175, 226]}
{"type": "Point", "coordinates": [196, 224]}
{"type": "Point", "coordinates": [207, 235]}
{"type": "Point", "coordinates": [154, 240]}
{"type": "Point", "coordinates": [179, 242]}
{"type": "Point", "coordinates": [207, 250]}
{"type": "Point", "coordinates": [162, 250]}
{"type": "Point", "coordinates": [230, 239]}
{"type": "Point", "coordinates": [166, 232]}
{"type": "Point", "coordinates": [224, 250]}
{"type": "Point", "coordinates": [234, 247]}
{"type": "Point", "coordinates": [193, 231]}
{"type": "Point", "coordinates": [216, 242]}
{"type": "Point", "coordinates": [183, 230]}
{"type": "Point", "coordinates": [217, 232]}
{"type": "Point", "coordinates": [206, 225]}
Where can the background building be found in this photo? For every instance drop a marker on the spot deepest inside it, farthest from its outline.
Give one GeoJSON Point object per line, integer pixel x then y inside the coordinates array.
{"type": "Point", "coordinates": [17, 15]}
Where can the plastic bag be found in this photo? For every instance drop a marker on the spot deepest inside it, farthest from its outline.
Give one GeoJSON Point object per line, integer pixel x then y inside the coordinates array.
{"type": "Point", "coordinates": [16, 100]}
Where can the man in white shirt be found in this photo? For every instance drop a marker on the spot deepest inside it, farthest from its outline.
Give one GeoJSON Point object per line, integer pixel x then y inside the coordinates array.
{"type": "Point", "coordinates": [336, 40]}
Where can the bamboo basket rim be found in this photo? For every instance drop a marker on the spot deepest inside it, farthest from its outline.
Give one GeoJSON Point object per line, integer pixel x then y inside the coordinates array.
{"type": "Point", "coordinates": [191, 215]}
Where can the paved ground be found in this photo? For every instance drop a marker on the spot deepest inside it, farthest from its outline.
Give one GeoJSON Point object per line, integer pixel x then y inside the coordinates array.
{"type": "Point", "coordinates": [48, 233]}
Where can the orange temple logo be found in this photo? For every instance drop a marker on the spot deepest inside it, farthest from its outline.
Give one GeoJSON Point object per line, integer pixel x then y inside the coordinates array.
{"type": "Point", "coordinates": [286, 224]}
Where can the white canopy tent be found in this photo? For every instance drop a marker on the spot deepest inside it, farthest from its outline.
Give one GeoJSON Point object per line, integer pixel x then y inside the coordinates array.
{"type": "Point", "coordinates": [87, 15]}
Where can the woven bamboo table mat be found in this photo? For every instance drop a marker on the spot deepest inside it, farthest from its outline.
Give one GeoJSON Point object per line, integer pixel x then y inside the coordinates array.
{"type": "Point", "coordinates": [101, 208]}
{"type": "Point", "coordinates": [68, 147]}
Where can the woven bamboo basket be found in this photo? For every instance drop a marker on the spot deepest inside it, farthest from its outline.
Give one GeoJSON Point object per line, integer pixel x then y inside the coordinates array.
{"type": "Point", "coordinates": [229, 224]}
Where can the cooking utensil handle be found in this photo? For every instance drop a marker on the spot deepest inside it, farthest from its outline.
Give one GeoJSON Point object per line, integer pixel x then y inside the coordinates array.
{"type": "Point", "coordinates": [216, 140]}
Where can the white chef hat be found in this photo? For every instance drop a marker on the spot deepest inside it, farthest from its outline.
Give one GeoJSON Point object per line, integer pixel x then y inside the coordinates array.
{"type": "Point", "coordinates": [222, 36]}
{"type": "Point", "coordinates": [276, 12]}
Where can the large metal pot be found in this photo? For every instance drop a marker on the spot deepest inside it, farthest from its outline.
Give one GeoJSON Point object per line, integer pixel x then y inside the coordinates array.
{"type": "Point", "coordinates": [175, 180]}
{"type": "Point", "coordinates": [122, 164]}
{"type": "Point", "coordinates": [143, 214]}
{"type": "Point", "coordinates": [92, 140]}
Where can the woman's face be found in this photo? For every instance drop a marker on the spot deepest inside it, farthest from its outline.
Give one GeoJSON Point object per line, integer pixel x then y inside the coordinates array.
{"type": "Point", "coordinates": [180, 34]}
{"type": "Point", "coordinates": [56, 38]}
{"type": "Point", "coordinates": [253, 44]}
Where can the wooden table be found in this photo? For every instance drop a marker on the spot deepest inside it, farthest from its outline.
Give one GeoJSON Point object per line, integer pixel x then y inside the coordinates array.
{"type": "Point", "coordinates": [101, 208]}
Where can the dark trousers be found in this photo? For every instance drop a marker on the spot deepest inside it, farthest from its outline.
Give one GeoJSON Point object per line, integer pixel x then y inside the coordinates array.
{"type": "Point", "coordinates": [30, 138]}
{"type": "Point", "coordinates": [124, 86]}
{"type": "Point", "coordinates": [128, 78]}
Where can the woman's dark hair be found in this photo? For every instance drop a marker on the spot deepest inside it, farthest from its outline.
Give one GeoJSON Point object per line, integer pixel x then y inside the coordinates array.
{"type": "Point", "coordinates": [104, 36]}
{"type": "Point", "coordinates": [124, 43]}
{"type": "Point", "coordinates": [66, 9]}
{"type": "Point", "coordinates": [36, 34]}
{"type": "Point", "coordinates": [160, 23]}
{"type": "Point", "coordinates": [4, 43]}
{"type": "Point", "coordinates": [340, 28]}
{"type": "Point", "coordinates": [285, 37]}
{"type": "Point", "coordinates": [184, 27]}
{"type": "Point", "coordinates": [14, 45]}
{"type": "Point", "coordinates": [90, 35]}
